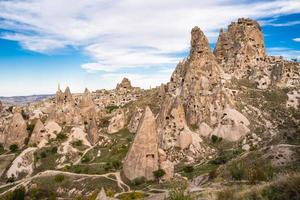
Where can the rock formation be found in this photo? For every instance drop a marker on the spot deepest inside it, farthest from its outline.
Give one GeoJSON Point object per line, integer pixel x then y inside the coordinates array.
{"type": "Point", "coordinates": [233, 126]}
{"type": "Point", "coordinates": [87, 99]}
{"type": "Point", "coordinates": [124, 85]}
{"type": "Point", "coordinates": [197, 80]}
{"type": "Point", "coordinates": [240, 48]}
{"type": "Point", "coordinates": [16, 132]}
{"type": "Point", "coordinates": [117, 122]}
{"type": "Point", "coordinates": [1, 106]}
{"type": "Point", "coordinates": [142, 158]}
{"type": "Point", "coordinates": [102, 196]}
{"type": "Point", "coordinates": [39, 134]}
{"type": "Point", "coordinates": [23, 164]}
{"type": "Point", "coordinates": [93, 135]}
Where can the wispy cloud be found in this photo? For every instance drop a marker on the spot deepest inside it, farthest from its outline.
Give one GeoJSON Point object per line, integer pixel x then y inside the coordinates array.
{"type": "Point", "coordinates": [124, 34]}
{"type": "Point", "coordinates": [287, 53]}
{"type": "Point", "coordinates": [296, 39]}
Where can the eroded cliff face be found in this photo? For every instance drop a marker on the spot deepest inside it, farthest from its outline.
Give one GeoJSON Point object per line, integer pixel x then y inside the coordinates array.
{"type": "Point", "coordinates": [240, 48]}
{"type": "Point", "coordinates": [240, 51]}
{"type": "Point", "coordinates": [16, 131]}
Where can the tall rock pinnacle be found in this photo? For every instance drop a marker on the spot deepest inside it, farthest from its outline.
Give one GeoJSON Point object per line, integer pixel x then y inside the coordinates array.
{"type": "Point", "coordinates": [142, 158]}
{"type": "Point", "coordinates": [197, 79]}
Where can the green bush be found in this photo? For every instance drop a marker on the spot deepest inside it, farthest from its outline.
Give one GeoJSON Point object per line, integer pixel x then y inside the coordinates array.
{"type": "Point", "coordinates": [215, 139]}
{"type": "Point", "coordinates": [17, 194]}
{"type": "Point", "coordinates": [237, 171]}
{"type": "Point", "coordinates": [77, 143]}
{"type": "Point", "coordinates": [30, 128]}
{"type": "Point", "coordinates": [138, 181]}
{"type": "Point", "coordinates": [159, 173]}
{"type": "Point", "coordinates": [59, 178]}
{"type": "Point", "coordinates": [43, 154]}
{"type": "Point", "coordinates": [13, 147]}
{"type": "Point", "coordinates": [178, 191]}
{"type": "Point", "coordinates": [116, 164]}
{"type": "Point", "coordinates": [131, 196]}
{"type": "Point", "coordinates": [285, 188]}
{"type": "Point", "coordinates": [61, 136]}
{"type": "Point", "coordinates": [188, 169]}
{"type": "Point", "coordinates": [111, 108]}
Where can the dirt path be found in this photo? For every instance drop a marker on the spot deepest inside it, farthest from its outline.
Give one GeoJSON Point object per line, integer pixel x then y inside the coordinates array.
{"type": "Point", "coordinates": [124, 187]}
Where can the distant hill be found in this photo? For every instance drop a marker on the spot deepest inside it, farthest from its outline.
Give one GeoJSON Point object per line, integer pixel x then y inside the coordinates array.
{"type": "Point", "coordinates": [22, 100]}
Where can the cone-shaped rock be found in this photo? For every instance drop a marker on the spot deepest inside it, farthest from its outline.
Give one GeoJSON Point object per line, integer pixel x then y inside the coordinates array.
{"type": "Point", "coordinates": [93, 135]}
{"type": "Point", "coordinates": [37, 133]}
{"type": "Point", "coordinates": [87, 99]}
{"type": "Point", "coordinates": [16, 132]}
{"type": "Point", "coordinates": [68, 95]}
{"type": "Point", "coordinates": [142, 158]}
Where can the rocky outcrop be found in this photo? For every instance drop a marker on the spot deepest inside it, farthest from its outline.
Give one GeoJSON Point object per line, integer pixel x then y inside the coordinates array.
{"type": "Point", "coordinates": [23, 164]}
{"type": "Point", "coordinates": [16, 132]}
{"type": "Point", "coordinates": [240, 51]}
{"type": "Point", "coordinates": [117, 122]}
{"type": "Point", "coordinates": [135, 120]}
{"type": "Point", "coordinates": [93, 135]}
{"type": "Point", "coordinates": [124, 85]}
{"type": "Point", "coordinates": [1, 106]}
{"type": "Point", "coordinates": [233, 125]}
{"type": "Point", "coordinates": [64, 97]}
{"type": "Point", "coordinates": [142, 157]}
{"type": "Point", "coordinates": [39, 135]}
{"type": "Point", "coordinates": [197, 81]}
{"type": "Point", "coordinates": [87, 99]}
{"type": "Point", "coordinates": [240, 48]}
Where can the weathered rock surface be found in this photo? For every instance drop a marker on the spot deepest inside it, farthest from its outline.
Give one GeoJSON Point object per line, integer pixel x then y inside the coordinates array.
{"type": "Point", "coordinates": [240, 48]}
{"type": "Point", "coordinates": [16, 132]}
{"type": "Point", "coordinates": [39, 135]}
{"type": "Point", "coordinates": [233, 125]}
{"type": "Point", "coordinates": [135, 120]}
{"type": "Point", "coordinates": [87, 99]}
{"type": "Point", "coordinates": [93, 135]}
{"type": "Point", "coordinates": [23, 164]}
{"type": "Point", "coordinates": [142, 158]}
{"type": "Point", "coordinates": [124, 85]}
{"type": "Point", "coordinates": [117, 122]}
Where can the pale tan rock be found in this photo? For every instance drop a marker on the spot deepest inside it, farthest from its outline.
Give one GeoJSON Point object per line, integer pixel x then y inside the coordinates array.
{"type": "Point", "coordinates": [24, 164]}
{"type": "Point", "coordinates": [87, 99]}
{"type": "Point", "coordinates": [125, 85]}
{"type": "Point", "coordinates": [16, 132]}
{"type": "Point", "coordinates": [39, 134]}
{"type": "Point", "coordinates": [168, 167]}
{"type": "Point", "coordinates": [134, 121]}
{"type": "Point", "coordinates": [93, 135]}
{"type": "Point", "coordinates": [117, 122]}
{"type": "Point", "coordinates": [142, 157]}
{"type": "Point", "coordinates": [233, 125]}
{"type": "Point", "coordinates": [240, 48]}
{"type": "Point", "coordinates": [185, 139]}
{"type": "Point", "coordinates": [1, 106]}
{"type": "Point", "coordinates": [204, 129]}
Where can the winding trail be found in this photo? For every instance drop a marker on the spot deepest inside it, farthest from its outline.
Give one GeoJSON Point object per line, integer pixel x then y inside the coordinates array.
{"type": "Point", "coordinates": [123, 186]}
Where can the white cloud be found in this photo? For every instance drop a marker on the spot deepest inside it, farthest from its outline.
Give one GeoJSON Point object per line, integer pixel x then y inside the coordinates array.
{"type": "Point", "coordinates": [296, 39]}
{"type": "Point", "coordinates": [118, 35]}
{"type": "Point", "coordinates": [284, 52]}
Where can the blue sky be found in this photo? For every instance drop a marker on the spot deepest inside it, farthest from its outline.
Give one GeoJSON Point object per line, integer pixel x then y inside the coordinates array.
{"type": "Point", "coordinates": [94, 43]}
